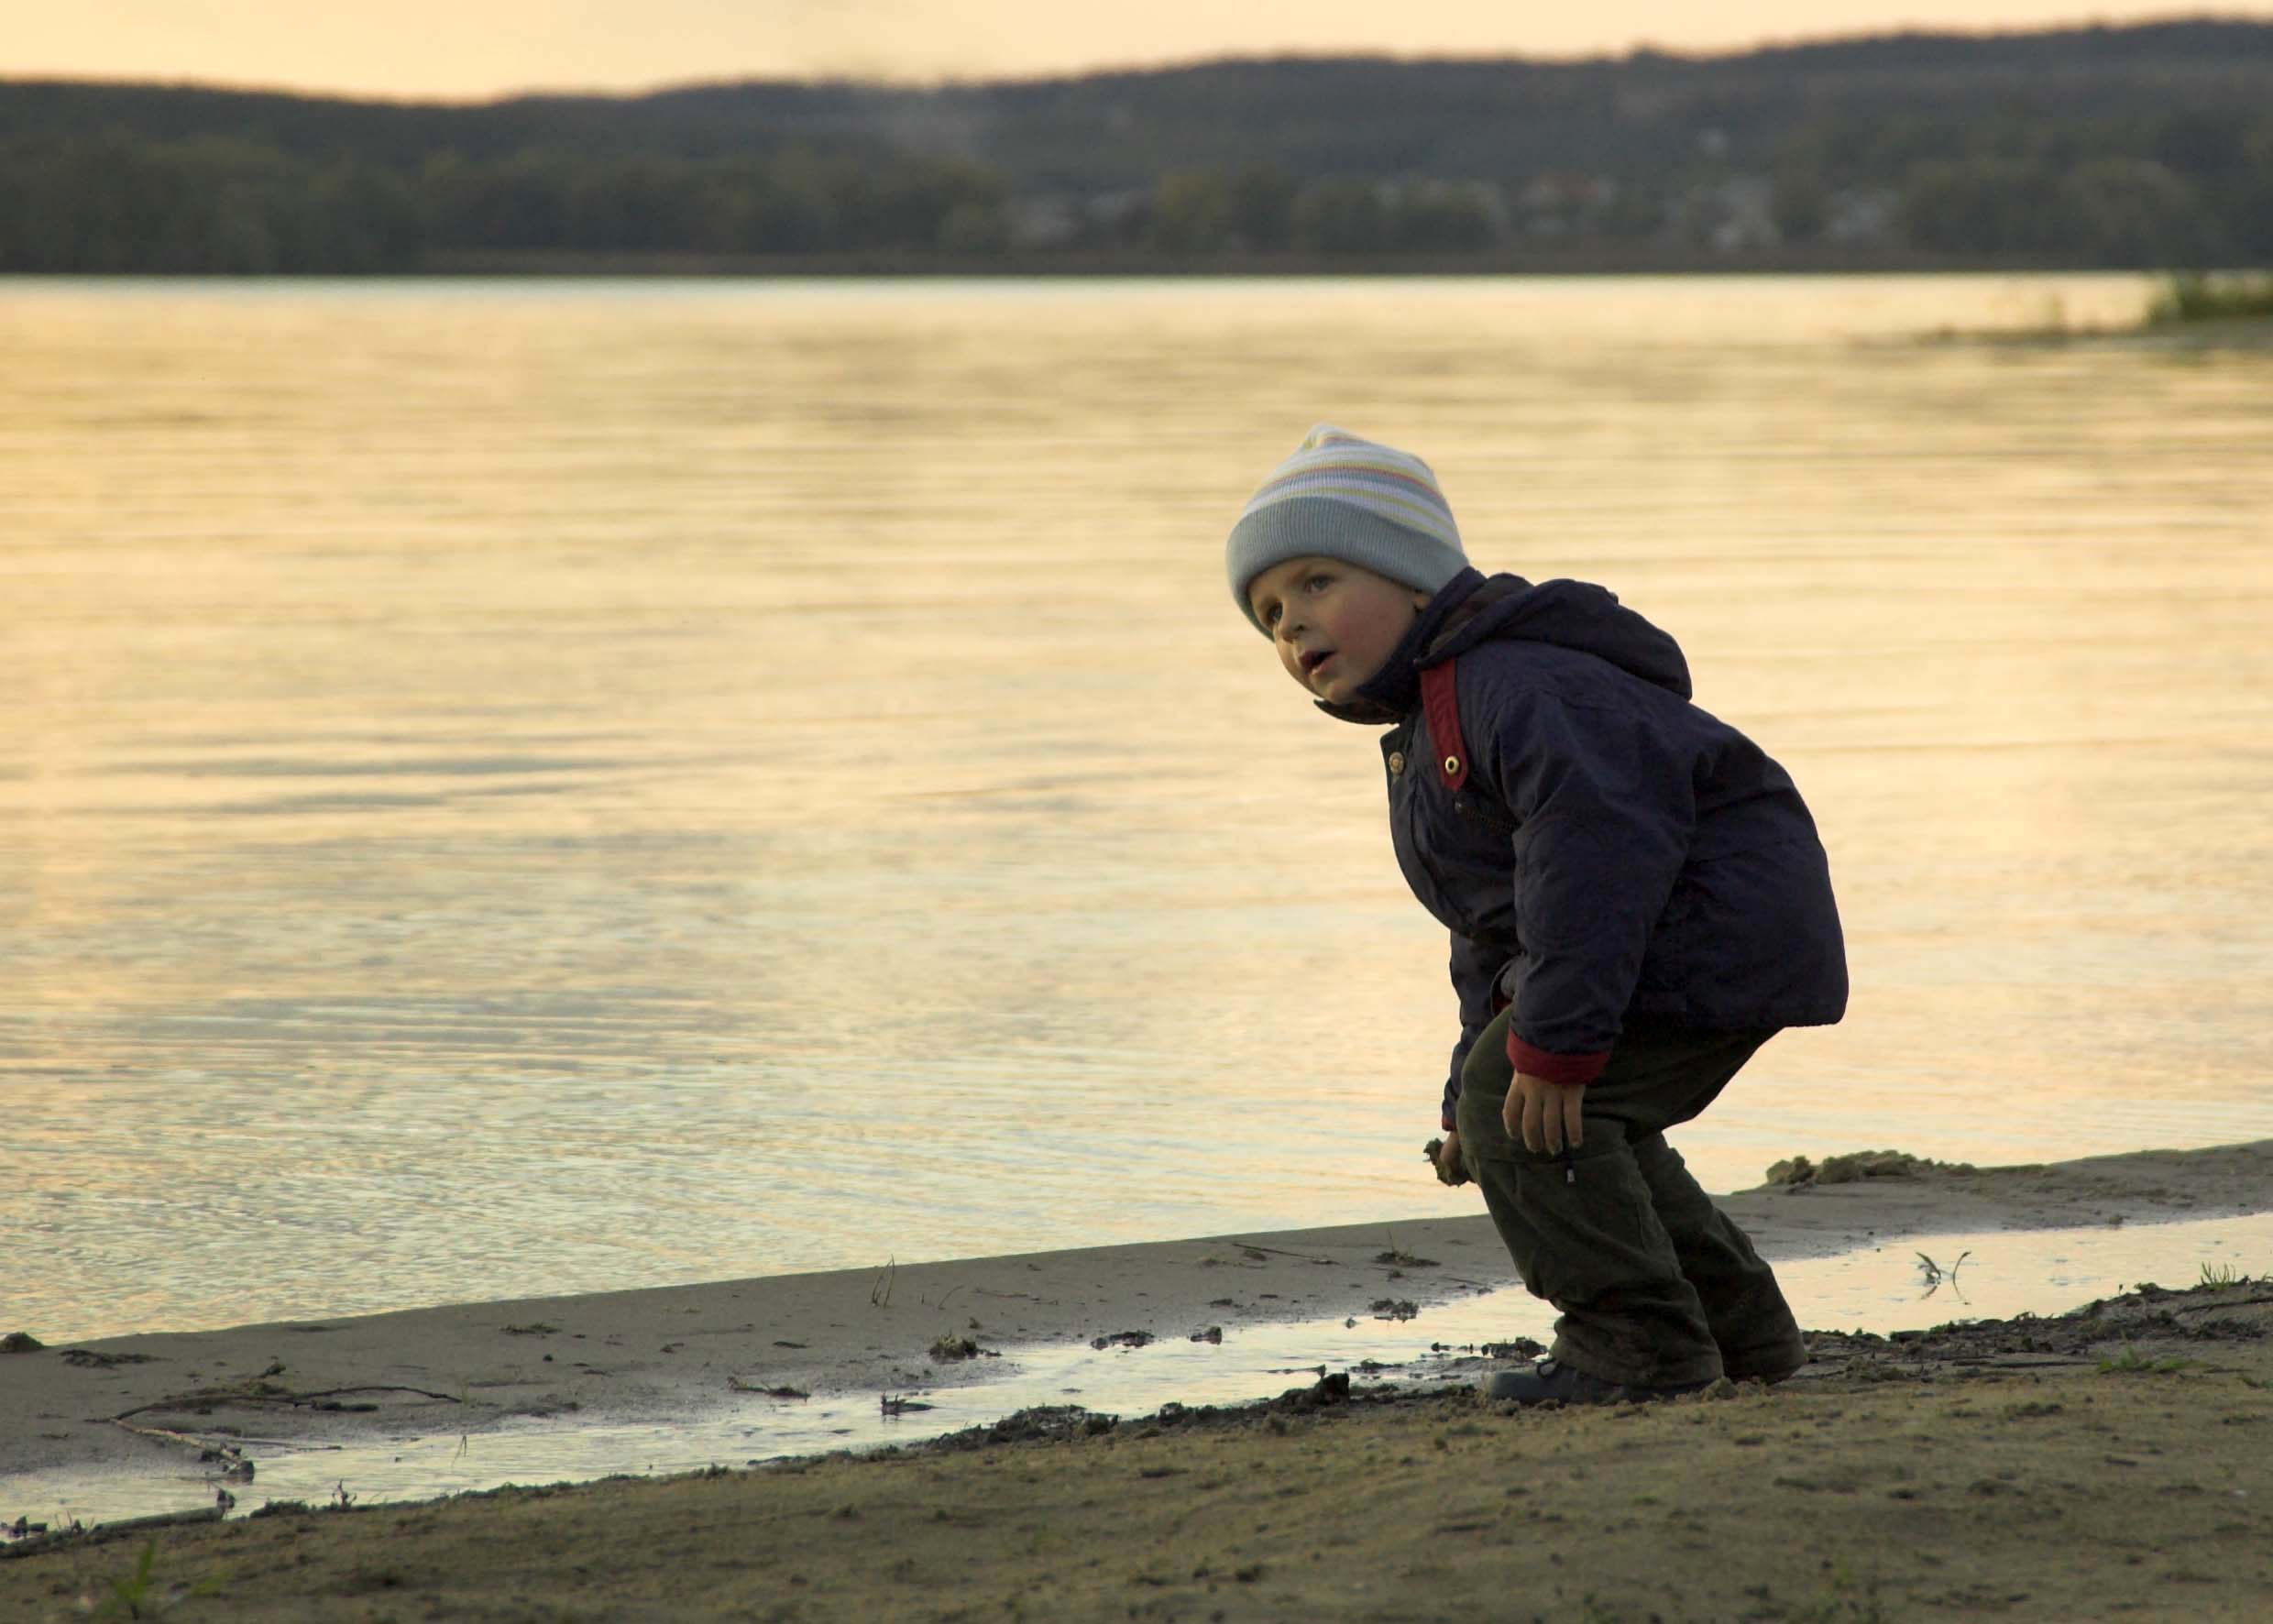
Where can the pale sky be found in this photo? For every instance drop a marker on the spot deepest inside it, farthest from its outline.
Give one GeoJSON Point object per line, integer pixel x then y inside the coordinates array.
{"type": "Point", "coordinates": [465, 50]}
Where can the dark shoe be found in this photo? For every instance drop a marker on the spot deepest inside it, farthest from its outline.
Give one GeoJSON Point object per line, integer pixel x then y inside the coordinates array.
{"type": "Point", "coordinates": [1552, 1382]}
{"type": "Point", "coordinates": [1770, 1364]}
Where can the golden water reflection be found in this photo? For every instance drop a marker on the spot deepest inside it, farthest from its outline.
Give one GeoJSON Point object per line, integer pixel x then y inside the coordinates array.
{"type": "Point", "coordinates": [519, 787]}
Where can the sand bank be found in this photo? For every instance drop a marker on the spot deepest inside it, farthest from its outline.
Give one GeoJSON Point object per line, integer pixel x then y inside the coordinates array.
{"type": "Point", "coordinates": [160, 1400]}
{"type": "Point", "coordinates": [2110, 1464]}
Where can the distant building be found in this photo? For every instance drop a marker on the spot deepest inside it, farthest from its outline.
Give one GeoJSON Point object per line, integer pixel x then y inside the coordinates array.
{"type": "Point", "coordinates": [1482, 201]}
{"type": "Point", "coordinates": [1727, 216]}
{"type": "Point", "coordinates": [1110, 211]}
{"type": "Point", "coordinates": [1861, 216]}
{"type": "Point", "coordinates": [1058, 219]}
{"type": "Point", "coordinates": [1558, 202]}
{"type": "Point", "coordinates": [1048, 222]}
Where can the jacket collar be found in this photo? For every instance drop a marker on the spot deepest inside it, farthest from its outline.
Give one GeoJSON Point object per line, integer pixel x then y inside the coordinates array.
{"type": "Point", "coordinates": [1393, 693]}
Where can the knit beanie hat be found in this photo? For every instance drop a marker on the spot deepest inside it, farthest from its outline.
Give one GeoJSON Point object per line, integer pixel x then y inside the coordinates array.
{"type": "Point", "coordinates": [1341, 497]}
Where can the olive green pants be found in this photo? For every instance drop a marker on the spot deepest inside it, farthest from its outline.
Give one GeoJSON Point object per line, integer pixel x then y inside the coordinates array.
{"type": "Point", "coordinates": [1655, 1284]}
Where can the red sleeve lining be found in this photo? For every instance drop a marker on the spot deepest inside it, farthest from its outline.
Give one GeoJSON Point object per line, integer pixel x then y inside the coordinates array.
{"type": "Point", "coordinates": [1564, 1068]}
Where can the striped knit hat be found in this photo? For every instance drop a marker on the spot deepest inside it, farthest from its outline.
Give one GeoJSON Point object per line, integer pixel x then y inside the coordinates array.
{"type": "Point", "coordinates": [1340, 497]}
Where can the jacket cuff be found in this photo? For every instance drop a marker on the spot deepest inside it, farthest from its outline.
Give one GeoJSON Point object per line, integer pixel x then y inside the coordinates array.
{"type": "Point", "coordinates": [1564, 1068]}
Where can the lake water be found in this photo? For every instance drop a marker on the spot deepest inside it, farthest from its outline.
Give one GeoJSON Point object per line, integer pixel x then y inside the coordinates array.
{"type": "Point", "coordinates": [516, 788]}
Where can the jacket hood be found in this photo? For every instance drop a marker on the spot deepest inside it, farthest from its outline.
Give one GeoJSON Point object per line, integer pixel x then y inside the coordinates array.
{"type": "Point", "coordinates": [1573, 615]}
{"type": "Point", "coordinates": [1473, 609]}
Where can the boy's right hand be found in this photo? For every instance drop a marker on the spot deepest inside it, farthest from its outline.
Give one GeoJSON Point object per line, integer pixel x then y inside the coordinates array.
{"type": "Point", "coordinates": [1450, 1169]}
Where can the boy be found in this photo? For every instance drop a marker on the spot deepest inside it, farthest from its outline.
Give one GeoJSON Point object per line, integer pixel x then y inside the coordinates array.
{"type": "Point", "coordinates": [1635, 892]}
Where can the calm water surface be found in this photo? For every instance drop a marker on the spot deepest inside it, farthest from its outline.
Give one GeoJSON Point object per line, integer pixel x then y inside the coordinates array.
{"type": "Point", "coordinates": [519, 788]}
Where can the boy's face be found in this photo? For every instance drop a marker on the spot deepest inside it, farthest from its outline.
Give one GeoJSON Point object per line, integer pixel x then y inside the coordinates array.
{"type": "Point", "coordinates": [1332, 623]}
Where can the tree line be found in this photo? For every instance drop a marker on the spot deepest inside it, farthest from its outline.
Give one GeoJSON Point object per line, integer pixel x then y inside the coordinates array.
{"type": "Point", "coordinates": [211, 205]}
{"type": "Point", "coordinates": [2118, 149]}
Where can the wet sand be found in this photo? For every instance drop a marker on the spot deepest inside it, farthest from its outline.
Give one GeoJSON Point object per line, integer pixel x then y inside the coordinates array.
{"type": "Point", "coordinates": [2109, 1465]}
{"type": "Point", "coordinates": [2082, 1466]}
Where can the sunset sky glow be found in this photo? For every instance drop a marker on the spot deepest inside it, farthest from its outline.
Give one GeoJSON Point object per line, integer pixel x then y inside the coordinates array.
{"type": "Point", "coordinates": [441, 49]}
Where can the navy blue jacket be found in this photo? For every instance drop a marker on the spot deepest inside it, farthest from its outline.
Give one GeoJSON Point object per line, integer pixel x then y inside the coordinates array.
{"type": "Point", "coordinates": [1613, 850]}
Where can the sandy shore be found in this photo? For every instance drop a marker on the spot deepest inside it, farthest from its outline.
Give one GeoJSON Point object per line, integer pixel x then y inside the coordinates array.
{"type": "Point", "coordinates": [2107, 1464]}
{"type": "Point", "coordinates": [156, 1400]}
{"type": "Point", "coordinates": [2112, 1463]}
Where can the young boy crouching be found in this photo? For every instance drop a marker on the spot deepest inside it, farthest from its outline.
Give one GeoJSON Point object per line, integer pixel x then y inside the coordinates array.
{"type": "Point", "coordinates": [1635, 892]}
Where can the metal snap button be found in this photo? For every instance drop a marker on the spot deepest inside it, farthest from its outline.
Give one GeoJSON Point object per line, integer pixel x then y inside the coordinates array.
{"type": "Point", "coordinates": [1397, 762]}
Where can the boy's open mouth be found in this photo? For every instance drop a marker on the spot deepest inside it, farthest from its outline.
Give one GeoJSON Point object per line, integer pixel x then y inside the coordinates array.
{"type": "Point", "coordinates": [1314, 659]}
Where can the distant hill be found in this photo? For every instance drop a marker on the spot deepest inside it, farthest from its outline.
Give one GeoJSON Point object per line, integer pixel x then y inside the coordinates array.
{"type": "Point", "coordinates": [2132, 146]}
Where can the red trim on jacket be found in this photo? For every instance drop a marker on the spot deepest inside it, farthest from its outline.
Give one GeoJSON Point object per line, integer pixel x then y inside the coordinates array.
{"type": "Point", "coordinates": [1441, 705]}
{"type": "Point", "coordinates": [1564, 1068]}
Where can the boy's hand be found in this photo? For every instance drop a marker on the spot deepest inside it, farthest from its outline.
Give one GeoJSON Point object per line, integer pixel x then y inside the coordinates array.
{"type": "Point", "coordinates": [1445, 1153]}
{"type": "Point", "coordinates": [1545, 1115]}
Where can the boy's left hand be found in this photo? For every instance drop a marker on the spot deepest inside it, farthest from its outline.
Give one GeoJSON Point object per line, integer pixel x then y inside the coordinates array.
{"type": "Point", "coordinates": [1545, 1115]}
